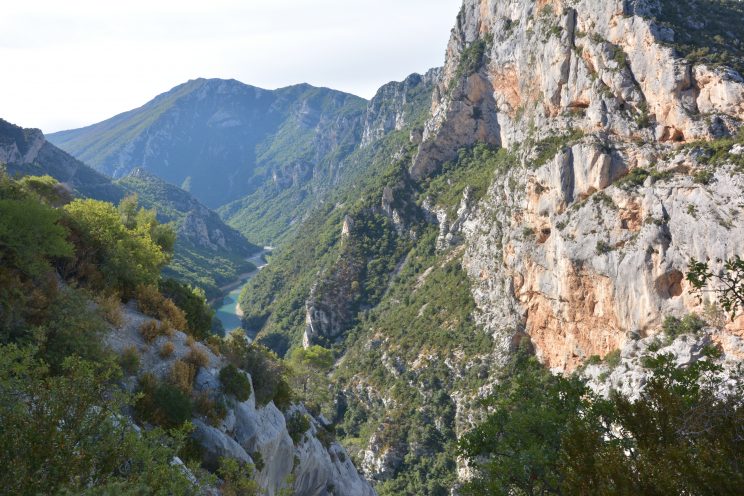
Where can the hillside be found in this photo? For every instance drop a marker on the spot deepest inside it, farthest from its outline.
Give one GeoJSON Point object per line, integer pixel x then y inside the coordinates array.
{"type": "Point", "coordinates": [518, 274]}
{"type": "Point", "coordinates": [222, 140]}
{"type": "Point", "coordinates": [208, 254]}
{"type": "Point", "coordinates": [576, 157]}
{"type": "Point", "coordinates": [27, 152]}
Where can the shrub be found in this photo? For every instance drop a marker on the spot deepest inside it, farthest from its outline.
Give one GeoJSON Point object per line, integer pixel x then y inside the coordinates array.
{"type": "Point", "coordinates": [235, 382]}
{"type": "Point", "coordinates": [152, 303]}
{"type": "Point", "coordinates": [110, 307]}
{"type": "Point", "coordinates": [689, 324]}
{"type": "Point", "coordinates": [194, 304]}
{"type": "Point", "coordinates": [128, 255]}
{"type": "Point", "coordinates": [602, 248]}
{"type": "Point", "coordinates": [130, 360]}
{"type": "Point", "coordinates": [266, 370]}
{"type": "Point", "coordinates": [703, 177]}
{"type": "Point", "coordinates": [214, 409]}
{"type": "Point", "coordinates": [612, 359]}
{"type": "Point", "coordinates": [198, 357]}
{"type": "Point", "coordinates": [237, 478]}
{"type": "Point", "coordinates": [152, 329]}
{"type": "Point", "coordinates": [258, 460]}
{"type": "Point", "coordinates": [297, 425]}
{"type": "Point", "coordinates": [182, 375]}
{"type": "Point", "coordinates": [167, 349]}
{"type": "Point", "coordinates": [162, 403]}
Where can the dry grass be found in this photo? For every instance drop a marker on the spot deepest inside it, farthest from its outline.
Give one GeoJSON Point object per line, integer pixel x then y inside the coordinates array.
{"type": "Point", "coordinates": [152, 303]}
{"type": "Point", "coordinates": [151, 330]}
{"type": "Point", "coordinates": [182, 375]}
{"type": "Point", "coordinates": [130, 360]}
{"type": "Point", "coordinates": [167, 349]}
{"type": "Point", "coordinates": [110, 307]}
{"type": "Point", "coordinates": [198, 357]}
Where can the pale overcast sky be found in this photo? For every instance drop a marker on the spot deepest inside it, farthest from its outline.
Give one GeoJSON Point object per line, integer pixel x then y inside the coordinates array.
{"type": "Point", "coordinates": [70, 63]}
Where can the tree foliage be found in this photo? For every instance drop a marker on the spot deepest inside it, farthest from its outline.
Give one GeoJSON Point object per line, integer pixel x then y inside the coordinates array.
{"type": "Point", "coordinates": [549, 435]}
{"type": "Point", "coordinates": [726, 281]}
{"type": "Point", "coordinates": [128, 249]}
{"type": "Point", "coordinates": [64, 433]}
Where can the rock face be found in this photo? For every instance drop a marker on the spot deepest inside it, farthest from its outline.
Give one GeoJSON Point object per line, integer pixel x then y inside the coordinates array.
{"type": "Point", "coordinates": [629, 376]}
{"type": "Point", "coordinates": [396, 105]}
{"type": "Point", "coordinates": [590, 239]}
{"type": "Point", "coordinates": [27, 152]}
{"type": "Point", "coordinates": [310, 467]}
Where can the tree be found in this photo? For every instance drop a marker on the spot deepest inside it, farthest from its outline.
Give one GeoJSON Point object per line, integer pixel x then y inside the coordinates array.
{"type": "Point", "coordinates": [727, 281]}
{"type": "Point", "coordinates": [63, 433]}
{"type": "Point", "coordinates": [30, 235]}
{"type": "Point", "coordinates": [549, 435]}
{"type": "Point", "coordinates": [309, 368]}
{"type": "Point", "coordinates": [127, 256]}
{"type": "Point", "coordinates": [518, 448]}
{"type": "Point", "coordinates": [193, 302]}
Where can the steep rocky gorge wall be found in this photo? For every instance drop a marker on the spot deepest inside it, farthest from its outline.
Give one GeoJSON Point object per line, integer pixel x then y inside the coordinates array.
{"type": "Point", "coordinates": [587, 94]}
{"type": "Point", "coordinates": [310, 467]}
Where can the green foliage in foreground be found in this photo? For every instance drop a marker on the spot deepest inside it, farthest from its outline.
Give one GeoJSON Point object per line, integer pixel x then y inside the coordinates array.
{"type": "Point", "coordinates": [549, 435]}
{"type": "Point", "coordinates": [65, 433]}
{"type": "Point", "coordinates": [726, 281]}
{"type": "Point", "coordinates": [118, 249]}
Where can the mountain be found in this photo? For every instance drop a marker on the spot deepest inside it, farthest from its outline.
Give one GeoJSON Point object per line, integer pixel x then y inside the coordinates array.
{"type": "Point", "coordinates": [575, 158]}
{"type": "Point", "coordinates": [274, 211]}
{"type": "Point", "coordinates": [208, 253]}
{"type": "Point", "coordinates": [222, 140]}
{"type": "Point", "coordinates": [27, 152]}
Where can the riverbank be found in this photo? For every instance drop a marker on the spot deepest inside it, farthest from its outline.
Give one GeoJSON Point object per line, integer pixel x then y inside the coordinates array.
{"type": "Point", "coordinates": [229, 312]}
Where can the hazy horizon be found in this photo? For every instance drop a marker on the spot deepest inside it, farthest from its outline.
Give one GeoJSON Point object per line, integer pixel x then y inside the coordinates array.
{"type": "Point", "coordinates": [76, 63]}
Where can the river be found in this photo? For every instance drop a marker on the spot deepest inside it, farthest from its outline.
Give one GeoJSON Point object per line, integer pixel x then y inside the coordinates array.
{"type": "Point", "coordinates": [229, 313]}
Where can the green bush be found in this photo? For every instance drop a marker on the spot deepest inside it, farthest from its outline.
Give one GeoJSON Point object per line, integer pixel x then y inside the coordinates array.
{"type": "Point", "coordinates": [59, 433]}
{"type": "Point", "coordinates": [297, 425]}
{"type": "Point", "coordinates": [162, 403]}
{"type": "Point", "coordinates": [235, 382]}
{"type": "Point", "coordinates": [194, 304]}
{"type": "Point", "coordinates": [130, 360]}
{"type": "Point", "coordinates": [128, 249]}
{"type": "Point", "coordinates": [689, 324]}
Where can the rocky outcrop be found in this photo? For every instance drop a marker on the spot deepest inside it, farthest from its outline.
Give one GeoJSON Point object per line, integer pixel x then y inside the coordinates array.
{"type": "Point", "coordinates": [591, 237]}
{"type": "Point", "coordinates": [27, 152]}
{"type": "Point", "coordinates": [628, 375]}
{"type": "Point", "coordinates": [397, 105]}
{"type": "Point", "coordinates": [311, 467]}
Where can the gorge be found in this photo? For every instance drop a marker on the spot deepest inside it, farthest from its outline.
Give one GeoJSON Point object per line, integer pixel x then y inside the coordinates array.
{"type": "Point", "coordinates": [477, 259]}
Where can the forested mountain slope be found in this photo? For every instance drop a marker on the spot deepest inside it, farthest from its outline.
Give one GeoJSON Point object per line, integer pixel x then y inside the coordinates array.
{"type": "Point", "coordinates": [577, 156]}
{"type": "Point", "coordinates": [222, 140]}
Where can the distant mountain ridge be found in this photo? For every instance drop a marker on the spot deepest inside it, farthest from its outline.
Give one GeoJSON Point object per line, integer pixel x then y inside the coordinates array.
{"type": "Point", "coordinates": [222, 139]}
{"type": "Point", "coordinates": [27, 152]}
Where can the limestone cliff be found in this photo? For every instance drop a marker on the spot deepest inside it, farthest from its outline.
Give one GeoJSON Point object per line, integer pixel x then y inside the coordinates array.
{"type": "Point", "coordinates": [310, 465]}
{"type": "Point", "coordinates": [27, 152]}
{"type": "Point", "coordinates": [588, 239]}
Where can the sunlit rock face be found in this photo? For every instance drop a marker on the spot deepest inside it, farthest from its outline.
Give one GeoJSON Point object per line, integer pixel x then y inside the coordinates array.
{"type": "Point", "coordinates": [590, 238]}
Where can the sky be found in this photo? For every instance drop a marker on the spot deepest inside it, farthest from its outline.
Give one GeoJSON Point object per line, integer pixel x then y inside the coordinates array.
{"type": "Point", "coordinates": [67, 64]}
